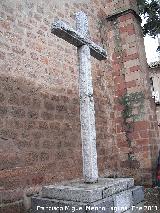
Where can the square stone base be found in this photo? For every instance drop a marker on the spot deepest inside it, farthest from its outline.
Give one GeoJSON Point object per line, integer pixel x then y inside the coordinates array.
{"type": "Point", "coordinates": [108, 195]}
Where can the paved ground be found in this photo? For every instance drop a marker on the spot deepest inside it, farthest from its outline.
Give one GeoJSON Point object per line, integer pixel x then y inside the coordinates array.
{"type": "Point", "coordinates": [151, 203]}
{"type": "Point", "coordinates": [152, 198]}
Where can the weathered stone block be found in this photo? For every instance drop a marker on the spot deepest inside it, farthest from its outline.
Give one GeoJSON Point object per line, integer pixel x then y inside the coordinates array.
{"type": "Point", "coordinates": [130, 182]}
{"type": "Point", "coordinates": [44, 205]}
{"type": "Point", "coordinates": [69, 206]}
{"type": "Point", "coordinates": [80, 197]}
{"type": "Point", "coordinates": [123, 201]}
{"type": "Point", "coordinates": [138, 208]}
{"type": "Point", "coordinates": [105, 205]}
{"type": "Point", "coordinates": [118, 185]}
{"type": "Point", "coordinates": [72, 194]}
{"type": "Point", "coordinates": [40, 204]}
{"type": "Point", "coordinates": [138, 194]}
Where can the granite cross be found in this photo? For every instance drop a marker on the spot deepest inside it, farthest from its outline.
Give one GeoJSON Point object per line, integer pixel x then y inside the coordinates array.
{"type": "Point", "coordinates": [86, 48]}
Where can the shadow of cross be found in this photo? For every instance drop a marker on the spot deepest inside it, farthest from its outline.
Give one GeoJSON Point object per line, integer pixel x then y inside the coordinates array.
{"type": "Point", "coordinates": [85, 48]}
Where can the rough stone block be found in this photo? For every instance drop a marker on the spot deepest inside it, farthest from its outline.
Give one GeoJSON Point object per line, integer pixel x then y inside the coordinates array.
{"type": "Point", "coordinates": [69, 206]}
{"type": "Point", "coordinates": [138, 194]}
{"type": "Point", "coordinates": [105, 205]}
{"type": "Point", "coordinates": [115, 187]}
{"type": "Point", "coordinates": [72, 194]}
{"type": "Point", "coordinates": [44, 205]}
{"type": "Point", "coordinates": [130, 183]}
{"type": "Point", "coordinates": [40, 204]}
{"type": "Point", "coordinates": [123, 201]}
{"type": "Point", "coordinates": [80, 192]}
{"type": "Point", "coordinates": [77, 196]}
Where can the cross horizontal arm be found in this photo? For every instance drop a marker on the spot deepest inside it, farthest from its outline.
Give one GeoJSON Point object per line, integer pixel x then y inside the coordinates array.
{"type": "Point", "coordinates": [62, 30]}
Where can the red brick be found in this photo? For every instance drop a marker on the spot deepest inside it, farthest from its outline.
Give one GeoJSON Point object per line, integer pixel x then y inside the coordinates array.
{"type": "Point", "coordinates": [144, 134]}
{"type": "Point", "coordinates": [37, 180]}
{"type": "Point", "coordinates": [130, 29]}
{"type": "Point", "coordinates": [135, 134]}
{"type": "Point", "coordinates": [121, 86]}
{"type": "Point", "coordinates": [130, 84]}
{"type": "Point", "coordinates": [123, 29]}
{"type": "Point", "coordinates": [125, 17]}
{"type": "Point", "coordinates": [120, 92]}
{"type": "Point", "coordinates": [142, 141]}
{"type": "Point", "coordinates": [135, 68]}
{"type": "Point", "coordinates": [116, 69]}
{"type": "Point", "coordinates": [131, 57]}
{"type": "Point", "coordinates": [119, 128]}
{"type": "Point", "coordinates": [141, 125]}
{"type": "Point", "coordinates": [119, 80]}
{"type": "Point", "coordinates": [118, 107]}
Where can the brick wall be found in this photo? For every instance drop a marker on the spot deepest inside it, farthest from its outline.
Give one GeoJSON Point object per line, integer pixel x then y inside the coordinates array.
{"type": "Point", "coordinates": [39, 123]}
{"type": "Point", "coordinates": [136, 121]}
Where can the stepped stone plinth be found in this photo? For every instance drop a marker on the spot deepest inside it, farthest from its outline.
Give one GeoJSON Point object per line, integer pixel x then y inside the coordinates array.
{"type": "Point", "coordinates": [106, 195]}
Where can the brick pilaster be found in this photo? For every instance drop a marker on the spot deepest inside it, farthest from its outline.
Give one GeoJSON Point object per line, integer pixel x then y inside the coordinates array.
{"type": "Point", "coordinates": [137, 133]}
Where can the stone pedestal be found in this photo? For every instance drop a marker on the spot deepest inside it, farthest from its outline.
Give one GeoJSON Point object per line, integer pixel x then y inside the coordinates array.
{"type": "Point", "coordinates": [108, 195]}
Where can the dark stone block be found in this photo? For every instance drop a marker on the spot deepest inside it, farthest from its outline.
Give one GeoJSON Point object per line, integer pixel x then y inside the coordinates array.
{"type": "Point", "coordinates": [106, 205]}
{"type": "Point", "coordinates": [137, 194]}
{"type": "Point", "coordinates": [44, 205]}
{"type": "Point", "coordinates": [69, 206]}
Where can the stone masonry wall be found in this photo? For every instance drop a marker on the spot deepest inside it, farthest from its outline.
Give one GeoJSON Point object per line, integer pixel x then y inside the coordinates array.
{"type": "Point", "coordinates": [39, 108]}
{"type": "Point", "coordinates": [39, 123]}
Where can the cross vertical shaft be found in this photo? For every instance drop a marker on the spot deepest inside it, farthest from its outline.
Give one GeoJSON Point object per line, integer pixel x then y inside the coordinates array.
{"type": "Point", "coordinates": [86, 48]}
{"type": "Point", "coordinates": [87, 112]}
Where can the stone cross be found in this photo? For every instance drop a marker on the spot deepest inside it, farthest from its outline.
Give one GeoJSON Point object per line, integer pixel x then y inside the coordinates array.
{"type": "Point", "coordinates": [86, 48]}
